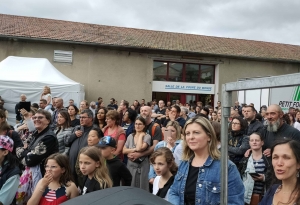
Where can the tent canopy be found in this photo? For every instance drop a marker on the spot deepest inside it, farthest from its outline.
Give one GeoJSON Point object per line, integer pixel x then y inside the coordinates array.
{"type": "Point", "coordinates": [22, 75]}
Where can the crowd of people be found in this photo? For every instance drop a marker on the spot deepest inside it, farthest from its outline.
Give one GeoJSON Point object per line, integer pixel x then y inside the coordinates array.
{"type": "Point", "coordinates": [55, 153]}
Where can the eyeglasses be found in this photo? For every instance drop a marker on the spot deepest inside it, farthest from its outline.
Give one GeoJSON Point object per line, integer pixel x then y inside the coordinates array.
{"type": "Point", "coordinates": [83, 117]}
{"type": "Point", "coordinates": [235, 123]}
{"type": "Point", "coordinates": [37, 117]}
{"type": "Point", "coordinates": [50, 167]}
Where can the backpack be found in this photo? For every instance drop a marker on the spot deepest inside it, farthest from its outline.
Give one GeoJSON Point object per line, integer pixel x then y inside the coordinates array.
{"type": "Point", "coordinates": [153, 130]}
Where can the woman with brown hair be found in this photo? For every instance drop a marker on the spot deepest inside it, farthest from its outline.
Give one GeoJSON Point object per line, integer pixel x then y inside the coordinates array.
{"type": "Point", "coordinates": [100, 117]}
{"type": "Point", "coordinates": [114, 130]}
{"type": "Point", "coordinates": [62, 130]}
{"type": "Point", "coordinates": [138, 141]}
{"type": "Point", "coordinates": [214, 116]}
{"type": "Point", "coordinates": [238, 141]}
{"type": "Point", "coordinates": [286, 165]}
{"type": "Point", "coordinates": [73, 112]}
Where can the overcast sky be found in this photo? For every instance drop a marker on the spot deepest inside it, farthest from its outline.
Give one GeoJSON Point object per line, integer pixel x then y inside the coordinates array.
{"type": "Point", "coordinates": [263, 20]}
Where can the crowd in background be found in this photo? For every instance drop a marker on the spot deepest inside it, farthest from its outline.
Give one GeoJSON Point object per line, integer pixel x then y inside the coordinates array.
{"type": "Point", "coordinates": [55, 153]}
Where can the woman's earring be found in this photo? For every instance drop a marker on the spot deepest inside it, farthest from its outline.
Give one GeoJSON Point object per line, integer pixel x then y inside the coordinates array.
{"type": "Point", "coordinates": [298, 174]}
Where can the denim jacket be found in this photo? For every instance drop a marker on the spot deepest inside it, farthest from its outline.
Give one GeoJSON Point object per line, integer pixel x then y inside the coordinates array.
{"type": "Point", "coordinates": [208, 187]}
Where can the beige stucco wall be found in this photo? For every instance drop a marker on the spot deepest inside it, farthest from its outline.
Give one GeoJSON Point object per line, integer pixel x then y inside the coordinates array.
{"type": "Point", "coordinates": [233, 69]}
{"type": "Point", "coordinates": [123, 75]}
{"type": "Point", "coordinates": [103, 72]}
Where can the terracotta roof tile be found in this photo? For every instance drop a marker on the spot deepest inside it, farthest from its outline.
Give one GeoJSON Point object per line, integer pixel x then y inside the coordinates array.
{"type": "Point", "coordinates": [40, 28]}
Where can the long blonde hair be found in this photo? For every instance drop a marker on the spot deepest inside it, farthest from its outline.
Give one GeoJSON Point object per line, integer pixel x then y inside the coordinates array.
{"type": "Point", "coordinates": [101, 172]}
{"type": "Point", "coordinates": [209, 130]}
{"type": "Point", "coordinates": [48, 88]}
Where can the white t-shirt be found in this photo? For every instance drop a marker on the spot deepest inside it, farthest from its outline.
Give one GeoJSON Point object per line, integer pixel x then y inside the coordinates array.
{"type": "Point", "coordinates": [155, 185]}
{"type": "Point", "coordinates": [46, 98]}
{"type": "Point", "coordinates": [297, 125]}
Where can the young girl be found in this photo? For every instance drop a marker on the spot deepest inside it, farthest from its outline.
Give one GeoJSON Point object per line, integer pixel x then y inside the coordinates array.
{"type": "Point", "coordinates": [9, 171]}
{"type": "Point", "coordinates": [165, 168]}
{"type": "Point", "coordinates": [93, 139]}
{"type": "Point", "coordinates": [56, 186]}
{"type": "Point", "coordinates": [47, 96]}
{"type": "Point", "coordinates": [93, 167]}
{"type": "Point", "coordinates": [172, 135]}
{"type": "Point", "coordinates": [255, 170]}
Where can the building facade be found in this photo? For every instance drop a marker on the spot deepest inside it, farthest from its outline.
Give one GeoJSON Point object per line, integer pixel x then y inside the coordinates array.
{"type": "Point", "coordinates": [119, 67]}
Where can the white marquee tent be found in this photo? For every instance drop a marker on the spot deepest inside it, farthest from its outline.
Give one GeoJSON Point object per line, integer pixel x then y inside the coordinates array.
{"type": "Point", "coordinates": [22, 75]}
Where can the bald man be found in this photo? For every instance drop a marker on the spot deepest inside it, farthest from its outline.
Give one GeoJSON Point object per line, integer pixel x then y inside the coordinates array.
{"type": "Point", "coordinates": [59, 105]}
{"type": "Point", "coordinates": [277, 129]}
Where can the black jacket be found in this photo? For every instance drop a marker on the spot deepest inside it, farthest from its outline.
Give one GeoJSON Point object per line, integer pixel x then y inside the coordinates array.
{"type": "Point", "coordinates": [238, 144]}
{"type": "Point", "coordinates": [255, 126]}
{"type": "Point", "coordinates": [118, 171]}
{"type": "Point", "coordinates": [285, 131]}
{"type": "Point", "coordinates": [42, 146]}
{"type": "Point", "coordinates": [8, 172]}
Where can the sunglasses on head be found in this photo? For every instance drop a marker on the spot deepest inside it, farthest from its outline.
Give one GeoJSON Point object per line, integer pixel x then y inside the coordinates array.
{"type": "Point", "coordinates": [106, 140]}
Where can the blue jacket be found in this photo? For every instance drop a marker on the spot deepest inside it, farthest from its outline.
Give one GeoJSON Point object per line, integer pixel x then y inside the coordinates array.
{"type": "Point", "coordinates": [268, 197]}
{"type": "Point", "coordinates": [208, 187]}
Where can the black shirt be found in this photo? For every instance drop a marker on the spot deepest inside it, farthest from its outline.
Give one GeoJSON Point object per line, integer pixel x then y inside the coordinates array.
{"type": "Point", "coordinates": [162, 111]}
{"type": "Point", "coordinates": [75, 122]}
{"type": "Point", "coordinates": [157, 133]}
{"type": "Point", "coordinates": [190, 186]}
{"type": "Point", "coordinates": [285, 131]}
{"type": "Point", "coordinates": [163, 191]}
{"type": "Point", "coordinates": [90, 185]}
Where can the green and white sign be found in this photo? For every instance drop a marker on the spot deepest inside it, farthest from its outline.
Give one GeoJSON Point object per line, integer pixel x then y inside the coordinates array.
{"type": "Point", "coordinates": [285, 97]}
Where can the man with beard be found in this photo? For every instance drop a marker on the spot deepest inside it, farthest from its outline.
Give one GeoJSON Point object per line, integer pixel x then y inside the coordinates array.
{"type": "Point", "coordinates": [277, 129]}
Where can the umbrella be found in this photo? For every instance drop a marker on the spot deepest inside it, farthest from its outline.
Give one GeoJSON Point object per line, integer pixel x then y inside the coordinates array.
{"type": "Point", "coordinates": [124, 195]}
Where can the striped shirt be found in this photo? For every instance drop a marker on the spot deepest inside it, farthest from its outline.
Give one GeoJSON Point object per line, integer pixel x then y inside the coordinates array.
{"type": "Point", "coordinates": [260, 169]}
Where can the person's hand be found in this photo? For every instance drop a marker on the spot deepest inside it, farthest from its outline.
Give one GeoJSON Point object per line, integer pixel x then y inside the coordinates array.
{"type": "Point", "coordinates": [78, 133]}
{"type": "Point", "coordinates": [172, 116]}
{"type": "Point", "coordinates": [267, 152]}
{"type": "Point", "coordinates": [24, 112]}
{"type": "Point", "coordinates": [247, 153]}
{"type": "Point", "coordinates": [130, 157]}
{"type": "Point", "coordinates": [260, 178]}
{"type": "Point", "coordinates": [22, 127]}
{"type": "Point", "coordinates": [135, 155]}
{"type": "Point", "coordinates": [151, 180]}
{"type": "Point", "coordinates": [46, 180]}
{"type": "Point", "coordinates": [25, 145]}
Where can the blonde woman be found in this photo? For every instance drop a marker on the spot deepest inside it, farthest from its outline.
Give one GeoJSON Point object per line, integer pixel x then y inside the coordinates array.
{"type": "Point", "coordinates": [198, 176]}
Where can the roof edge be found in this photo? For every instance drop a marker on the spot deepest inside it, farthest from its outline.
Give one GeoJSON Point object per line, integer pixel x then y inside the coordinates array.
{"type": "Point", "coordinates": [149, 49]}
